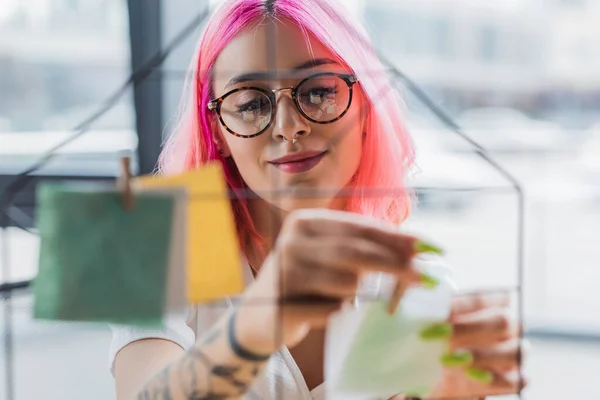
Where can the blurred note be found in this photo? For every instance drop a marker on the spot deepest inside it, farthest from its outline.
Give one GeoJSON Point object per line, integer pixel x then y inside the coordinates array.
{"type": "Point", "coordinates": [213, 255]}
{"type": "Point", "coordinates": [372, 354]}
{"type": "Point", "coordinates": [99, 262]}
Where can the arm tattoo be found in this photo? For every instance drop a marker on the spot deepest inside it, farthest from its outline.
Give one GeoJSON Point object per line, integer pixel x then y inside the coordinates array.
{"type": "Point", "coordinates": [212, 335]}
{"type": "Point", "coordinates": [202, 379]}
{"type": "Point", "coordinates": [230, 374]}
{"type": "Point", "coordinates": [159, 389]}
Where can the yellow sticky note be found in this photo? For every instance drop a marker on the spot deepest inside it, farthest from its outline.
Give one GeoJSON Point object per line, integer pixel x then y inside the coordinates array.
{"type": "Point", "coordinates": [213, 255]}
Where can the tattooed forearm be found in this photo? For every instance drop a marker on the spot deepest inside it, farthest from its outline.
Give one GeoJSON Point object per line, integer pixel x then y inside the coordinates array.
{"type": "Point", "coordinates": [199, 379]}
{"type": "Point", "coordinates": [212, 335]}
{"type": "Point", "coordinates": [158, 388]}
{"type": "Point", "coordinates": [210, 370]}
{"type": "Point", "coordinates": [235, 378]}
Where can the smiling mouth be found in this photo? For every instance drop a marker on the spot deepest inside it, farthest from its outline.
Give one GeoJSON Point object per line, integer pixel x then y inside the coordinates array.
{"type": "Point", "coordinates": [298, 164]}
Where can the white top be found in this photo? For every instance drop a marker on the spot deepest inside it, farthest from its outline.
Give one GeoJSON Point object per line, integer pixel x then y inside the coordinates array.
{"type": "Point", "coordinates": [281, 379]}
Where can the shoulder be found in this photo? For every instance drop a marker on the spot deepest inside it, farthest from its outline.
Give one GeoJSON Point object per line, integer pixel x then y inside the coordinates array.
{"type": "Point", "coordinates": [178, 328]}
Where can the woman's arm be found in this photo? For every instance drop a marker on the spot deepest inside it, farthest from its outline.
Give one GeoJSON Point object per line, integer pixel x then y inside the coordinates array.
{"type": "Point", "coordinates": [139, 360]}
{"type": "Point", "coordinates": [158, 369]}
{"type": "Point", "coordinates": [314, 267]}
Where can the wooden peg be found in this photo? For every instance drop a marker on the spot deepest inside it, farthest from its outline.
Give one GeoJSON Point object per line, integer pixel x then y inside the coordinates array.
{"type": "Point", "coordinates": [125, 184]}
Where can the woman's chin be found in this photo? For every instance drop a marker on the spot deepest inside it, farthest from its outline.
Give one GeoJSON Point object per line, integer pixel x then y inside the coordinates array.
{"type": "Point", "coordinates": [305, 193]}
{"type": "Point", "coordinates": [289, 205]}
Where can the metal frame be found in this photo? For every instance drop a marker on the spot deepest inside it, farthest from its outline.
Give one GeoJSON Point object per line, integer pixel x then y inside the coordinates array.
{"type": "Point", "coordinates": [146, 39]}
{"type": "Point", "coordinates": [145, 20]}
{"type": "Point", "coordinates": [25, 199]}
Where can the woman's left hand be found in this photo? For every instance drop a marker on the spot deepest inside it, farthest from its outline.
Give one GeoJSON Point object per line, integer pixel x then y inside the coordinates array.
{"type": "Point", "coordinates": [485, 352]}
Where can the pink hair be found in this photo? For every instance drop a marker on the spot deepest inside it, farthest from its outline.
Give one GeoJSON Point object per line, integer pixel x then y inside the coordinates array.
{"type": "Point", "coordinates": [388, 151]}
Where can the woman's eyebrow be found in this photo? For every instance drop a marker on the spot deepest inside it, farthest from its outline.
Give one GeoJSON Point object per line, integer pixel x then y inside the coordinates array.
{"type": "Point", "coordinates": [314, 63]}
{"type": "Point", "coordinates": [255, 76]}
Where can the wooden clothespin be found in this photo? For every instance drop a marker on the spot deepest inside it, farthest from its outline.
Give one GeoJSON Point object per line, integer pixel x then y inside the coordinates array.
{"type": "Point", "coordinates": [125, 184]}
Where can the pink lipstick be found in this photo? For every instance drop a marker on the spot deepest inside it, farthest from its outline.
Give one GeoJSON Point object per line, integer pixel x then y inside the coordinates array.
{"type": "Point", "coordinates": [298, 162]}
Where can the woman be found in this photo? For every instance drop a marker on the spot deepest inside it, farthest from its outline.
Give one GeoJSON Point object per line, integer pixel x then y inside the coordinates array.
{"type": "Point", "coordinates": [313, 134]}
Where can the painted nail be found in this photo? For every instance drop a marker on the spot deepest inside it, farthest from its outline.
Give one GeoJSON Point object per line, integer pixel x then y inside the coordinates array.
{"type": "Point", "coordinates": [480, 375]}
{"type": "Point", "coordinates": [436, 332]}
{"type": "Point", "coordinates": [416, 394]}
{"type": "Point", "coordinates": [460, 358]}
{"type": "Point", "coordinates": [420, 246]}
{"type": "Point", "coordinates": [428, 281]}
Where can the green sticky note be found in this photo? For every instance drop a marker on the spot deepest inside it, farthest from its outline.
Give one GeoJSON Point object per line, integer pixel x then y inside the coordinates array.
{"type": "Point", "coordinates": [386, 355]}
{"type": "Point", "coordinates": [372, 354]}
{"type": "Point", "coordinates": [99, 261]}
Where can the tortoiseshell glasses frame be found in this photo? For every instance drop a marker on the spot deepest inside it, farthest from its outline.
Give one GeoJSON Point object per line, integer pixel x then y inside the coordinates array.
{"type": "Point", "coordinates": [349, 79]}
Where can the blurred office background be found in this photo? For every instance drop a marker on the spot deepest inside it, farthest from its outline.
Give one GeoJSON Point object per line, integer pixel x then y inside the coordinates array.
{"type": "Point", "coordinates": [519, 76]}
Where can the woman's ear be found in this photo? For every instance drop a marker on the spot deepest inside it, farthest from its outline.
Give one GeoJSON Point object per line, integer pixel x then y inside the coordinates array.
{"type": "Point", "coordinates": [221, 143]}
{"type": "Point", "coordinates": [364, 119]}
{"type": "Point", "coordinates": [365, 111]}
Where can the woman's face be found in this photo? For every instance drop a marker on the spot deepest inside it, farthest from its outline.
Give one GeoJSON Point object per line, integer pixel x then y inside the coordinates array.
{"type": "Point", "coordinates": [324, 157]}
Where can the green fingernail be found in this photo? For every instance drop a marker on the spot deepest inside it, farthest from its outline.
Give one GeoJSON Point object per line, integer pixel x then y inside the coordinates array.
{"type": "Point", "coordinates": [457, 359]}
{"type": "Point", "coordinates": [436, 331]}
{"type": "Point", "coordinates": [480, 375]}
{"type": "Point", "coordinates": [417, 393]}
{"type": "Point", "coordinates": [421, 246]}
{"type": "Point", "coordinates": [428, 281]}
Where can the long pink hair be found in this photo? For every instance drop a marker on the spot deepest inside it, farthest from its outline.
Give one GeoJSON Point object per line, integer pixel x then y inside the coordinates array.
{"type": "Point", "coordinates": [387, 153]}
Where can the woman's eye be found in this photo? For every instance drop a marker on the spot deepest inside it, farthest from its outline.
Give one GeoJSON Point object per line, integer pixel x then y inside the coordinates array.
{"type": "Point", "coordinates": [318, 95]}
{"type": "Point", "coordinates": [252, 105]}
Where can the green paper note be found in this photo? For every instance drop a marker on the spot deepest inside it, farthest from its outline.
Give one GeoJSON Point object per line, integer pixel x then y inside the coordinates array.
{"type": "Point", "coordinates": [383, 352]}
{"type": "Point", "coordinates": [98, 261]}
{"type": "Point", "coordinates": [372, 354]}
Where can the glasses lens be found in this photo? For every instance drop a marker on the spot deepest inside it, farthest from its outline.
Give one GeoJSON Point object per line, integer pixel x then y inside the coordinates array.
{"type": "Point", "coordinates": [246, 112]}
{"type": "Point", "coordinates": [324, 98]}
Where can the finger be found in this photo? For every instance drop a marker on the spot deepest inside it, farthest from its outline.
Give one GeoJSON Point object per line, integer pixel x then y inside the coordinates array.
{"type": "Point", "coordinates": [501, 359]}
{"type": "Point", "coordinates": [314, 281]}
{"type": "Point", "coordinates": [344, 224]}
{"type": "Point", "coordinates": [350, 254]}
{"type": "Point", "coordinates": [366, 255]}
{"type": "Point", "coordinates": [313, 311]}
{"type": "Point", "coordinates": [506, 383]}
{"type": "Point", "coordinates": [397, 295]}
{"type": "Point", "coordinates": [473, 302]}
{"type": "Point", "coordinates": [482, 329]}
{"type": "Point", "coordinates": [483, 383]}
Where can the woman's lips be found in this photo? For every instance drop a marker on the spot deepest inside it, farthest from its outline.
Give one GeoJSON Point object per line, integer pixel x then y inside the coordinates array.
{"type": "Point", "coordinates": [298, 163]}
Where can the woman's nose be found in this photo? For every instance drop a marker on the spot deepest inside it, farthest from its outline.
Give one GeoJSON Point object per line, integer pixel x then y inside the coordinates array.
{"type": "Point", "coordinates": [289, 123]}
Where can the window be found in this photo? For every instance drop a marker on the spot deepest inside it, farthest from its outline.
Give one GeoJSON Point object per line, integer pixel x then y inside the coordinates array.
{"type": "Point", "coordinates": [442, 37]}
{"type": "Point", "coordinates": [59, 60]}
{"type": "Point", "coordinates": [523, 111]}
{"type": "Point", "coordinates": [489, 43]}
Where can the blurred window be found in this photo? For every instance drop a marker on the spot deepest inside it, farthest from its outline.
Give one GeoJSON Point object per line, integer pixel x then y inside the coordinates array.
{"type": "Point", "coordinates": [59, 61]}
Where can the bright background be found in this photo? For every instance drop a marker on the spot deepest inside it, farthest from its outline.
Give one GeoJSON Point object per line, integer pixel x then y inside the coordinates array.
{"type": "Point", "coordinates": [520, 76]}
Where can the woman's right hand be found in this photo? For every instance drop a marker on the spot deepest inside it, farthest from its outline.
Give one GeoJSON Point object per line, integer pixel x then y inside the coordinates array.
{"type": "Point", "coordinates": [315, 266]}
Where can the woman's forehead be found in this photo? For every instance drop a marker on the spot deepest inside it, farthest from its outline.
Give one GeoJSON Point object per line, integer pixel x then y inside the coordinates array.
{"type": "Point", "coordinates": [279, 47]}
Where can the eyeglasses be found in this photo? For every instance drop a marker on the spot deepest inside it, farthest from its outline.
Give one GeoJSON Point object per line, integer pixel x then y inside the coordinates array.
{"type": "Point", "coordinates": [249, 111]}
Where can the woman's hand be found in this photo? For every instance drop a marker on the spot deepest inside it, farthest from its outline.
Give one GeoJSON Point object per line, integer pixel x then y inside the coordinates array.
{"type": "Point", "coordinates": [485, 351]}
{"type": "Point", "coordinates": [314, 267]}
